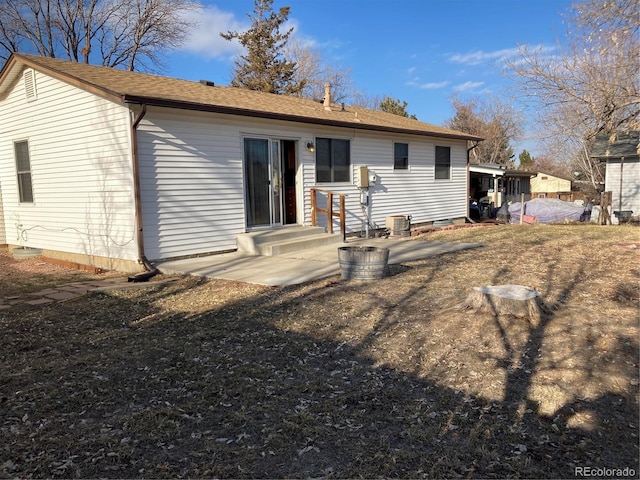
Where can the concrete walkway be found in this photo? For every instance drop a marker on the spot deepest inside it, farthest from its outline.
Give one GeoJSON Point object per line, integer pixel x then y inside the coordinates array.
{"type": "Point", "coordinates": [302, 266]}
{"type": "Point", "coordinates": [281, 270]}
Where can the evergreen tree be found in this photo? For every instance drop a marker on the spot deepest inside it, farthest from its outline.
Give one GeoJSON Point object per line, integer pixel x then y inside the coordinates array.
{"type": "Point", "coordinates": [394, 106]}
{"type": "Point", "coordinates": [526, 160]}
{"type": "Point", "coordinates": [264, 66]}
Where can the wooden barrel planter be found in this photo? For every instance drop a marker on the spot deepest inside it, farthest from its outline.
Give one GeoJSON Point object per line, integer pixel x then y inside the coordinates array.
{"type": "Point", "coordinates": [363, 263]}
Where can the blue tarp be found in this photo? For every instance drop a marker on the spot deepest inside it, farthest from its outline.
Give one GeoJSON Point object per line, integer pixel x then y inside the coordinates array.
{"type": "Point", "coordinates": [547, 210]}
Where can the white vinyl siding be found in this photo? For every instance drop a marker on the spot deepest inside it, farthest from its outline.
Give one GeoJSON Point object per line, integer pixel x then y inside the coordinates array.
{"type": "Point", "coordinates": [192, 189]}
{"type": "Point", "coordinates": [396, 193]}
{"type": "Point", "coordinates": [419, 194]}
{"type": "Point", "coordinates": [80, 165]}
{"type": "Point", "coordinates": [3, 237]}
{"type": "Point", "coordinates": [629, 197]}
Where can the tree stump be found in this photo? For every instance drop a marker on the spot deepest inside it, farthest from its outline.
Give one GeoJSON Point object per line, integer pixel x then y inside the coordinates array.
{"type": "Point", "coordinates": [515, 300]}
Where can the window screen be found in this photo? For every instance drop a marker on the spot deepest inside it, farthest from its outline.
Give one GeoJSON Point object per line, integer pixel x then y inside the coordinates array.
{"type": "Point", "coordinates": [23, 169]}
{"type": "Point", "coordinates": [333, 160]}
{"type": "Point", "coordinates": [400, 156]}
{"type": "Point", "coordinates": [443, 163]}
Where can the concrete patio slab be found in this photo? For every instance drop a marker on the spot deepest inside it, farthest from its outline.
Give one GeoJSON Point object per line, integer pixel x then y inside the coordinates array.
{"type": "Point", "coordinates": [303, 266]}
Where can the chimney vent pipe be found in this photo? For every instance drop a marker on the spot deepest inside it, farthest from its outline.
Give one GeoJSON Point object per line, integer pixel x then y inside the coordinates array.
{"type": "Point", "coordinates": [327, 96]}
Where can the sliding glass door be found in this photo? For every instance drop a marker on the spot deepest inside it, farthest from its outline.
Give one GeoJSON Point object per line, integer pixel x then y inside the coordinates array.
{"type": "Point", "coordinates": [263, 182]}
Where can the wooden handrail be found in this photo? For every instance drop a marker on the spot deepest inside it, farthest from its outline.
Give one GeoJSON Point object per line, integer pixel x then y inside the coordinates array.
{"type": "Point", "coordinates": [315, 210]}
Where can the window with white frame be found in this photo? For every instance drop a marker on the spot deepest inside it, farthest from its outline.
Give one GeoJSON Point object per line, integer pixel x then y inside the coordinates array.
{"type": "Point", "coordinates": [23, 169]}
{"type": "Point", "coordinates": [443, 163]}
{"type": "Point", "coordinates": [400, 156]}
{"type": "Point", "coordinates": [333, 160]}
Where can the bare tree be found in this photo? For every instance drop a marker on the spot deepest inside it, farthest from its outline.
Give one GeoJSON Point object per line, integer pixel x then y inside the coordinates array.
{"type": "Point", "coordinates": [551, 166]}
{"type": "Point", "coordinates": [363, 99]}
{"type": "Point", "coordinates": [497, 122]}
{"type": "Point", "coordinates": [592, 85]}
{"type": "Point", "coordinates": [313, 72]}
{"type": "Point", "coordinates": [131, 34]}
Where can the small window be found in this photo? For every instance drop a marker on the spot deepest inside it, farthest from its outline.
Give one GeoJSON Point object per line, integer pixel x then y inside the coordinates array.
{"type": "Point", "coordinates": [400, 156]}
{"type": "Point", "coordinates": [333, 160]}
{"type": "Point", "coordinates": [443, 163]}
{"type": "Point", "coordinates": [23, 168]}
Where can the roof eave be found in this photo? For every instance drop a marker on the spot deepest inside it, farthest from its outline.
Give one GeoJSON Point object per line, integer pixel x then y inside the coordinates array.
{"type": "Point", "coordinates": [16, 58]}
{"type": "Point", "coordinates": [203, 107]}
{"type": "Point", "coordinates": [5, 76]}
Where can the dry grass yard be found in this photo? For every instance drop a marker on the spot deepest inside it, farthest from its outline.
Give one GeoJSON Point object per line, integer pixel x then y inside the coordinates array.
{"type": "Point", "coordinates": [198, 378]}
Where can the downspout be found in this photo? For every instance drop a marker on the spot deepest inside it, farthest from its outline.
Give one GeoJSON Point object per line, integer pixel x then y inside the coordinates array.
{"type": "Point", "coordinates": [151, 271]}
{"type": "Point", "coordinates": [468, 217]}
{"type": "Point", "coordinates": [621, 183]}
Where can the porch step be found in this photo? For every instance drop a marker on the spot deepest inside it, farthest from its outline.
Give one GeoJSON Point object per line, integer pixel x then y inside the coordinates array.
{"type": "Point", "coordinates": [284, 240]}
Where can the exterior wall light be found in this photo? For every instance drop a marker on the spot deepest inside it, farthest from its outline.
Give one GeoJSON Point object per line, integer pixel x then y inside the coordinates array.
{"type": "Point", "coordinates": [311, 147]}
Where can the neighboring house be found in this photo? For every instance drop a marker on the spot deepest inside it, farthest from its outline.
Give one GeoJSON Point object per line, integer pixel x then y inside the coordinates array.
{"type": "Point", "coordinates": [621, 152]}
{"type": "Point", "coordinates": [544, 185]}
{"type": "Point", "coordinates": [498, 184]}
{"type": "Point", "coordinates": [109, 168]}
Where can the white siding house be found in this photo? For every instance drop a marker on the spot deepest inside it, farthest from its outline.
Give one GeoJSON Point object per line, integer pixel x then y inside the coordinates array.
{"type": "Point", "coordinates": [621, 152]}
{"type": "Point", "coordinates": [623, 181]}
{"type": "Point", "coordinates": [80, 170]}
{"type": "Point", "coordinates": [544, 185]}
{"type": "Point", "coordinates": [110, 168]}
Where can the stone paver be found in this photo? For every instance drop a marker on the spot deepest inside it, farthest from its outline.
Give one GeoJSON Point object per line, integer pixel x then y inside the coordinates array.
{"type": "Point", "coordinates": [79, 289]}
{"type": "Point", "coordinates": [71, 291]}
{"type": "Point", "coordinates": [39, 301]}
{"type": "Point", "coordinates": [60, 295]}
{"type": "Point", "coordinates": [42, 293]}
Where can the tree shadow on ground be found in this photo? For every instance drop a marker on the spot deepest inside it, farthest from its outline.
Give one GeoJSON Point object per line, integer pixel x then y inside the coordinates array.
{"type": "Point", "coordinates": [122, 386]}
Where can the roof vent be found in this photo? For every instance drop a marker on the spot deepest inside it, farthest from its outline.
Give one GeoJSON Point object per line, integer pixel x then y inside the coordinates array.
{"type": "Point", "coordinates": [207, 83]}
{"type": "Point", "coordinates": [30, 85]}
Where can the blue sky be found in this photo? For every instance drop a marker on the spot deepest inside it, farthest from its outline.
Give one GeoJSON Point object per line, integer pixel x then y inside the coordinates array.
{"type": "Point", "coordinates": [418, 51]}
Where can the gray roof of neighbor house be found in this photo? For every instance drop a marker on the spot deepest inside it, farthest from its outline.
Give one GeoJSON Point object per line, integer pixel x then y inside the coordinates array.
{"type": "Point", "coordinates": [139, 88]}
{"type": "Point", "coordinates": [617, 145]}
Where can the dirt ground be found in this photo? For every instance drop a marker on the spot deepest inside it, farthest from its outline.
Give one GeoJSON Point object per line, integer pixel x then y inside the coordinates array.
{"type": "Point", "coordinates": [336, 379]}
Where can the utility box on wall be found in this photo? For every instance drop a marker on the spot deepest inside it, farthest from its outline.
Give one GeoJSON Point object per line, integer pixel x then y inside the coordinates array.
{"type": "Point", "coordinates": [362, 176]}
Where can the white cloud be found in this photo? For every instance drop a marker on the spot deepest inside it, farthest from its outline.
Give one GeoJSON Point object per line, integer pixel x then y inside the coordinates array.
{"type": "Point", "coordinates": [466, 86]}
{"type": "Point", "coordinates": [480, 56]}
{"type": "Point", "coordinates": [433, 85]}
{"type": "Point", "coordinates": [205, 39]}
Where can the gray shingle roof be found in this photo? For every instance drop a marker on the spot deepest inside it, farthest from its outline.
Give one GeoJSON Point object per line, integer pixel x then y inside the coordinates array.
{"type": "Point", "coordinates": [133, 87]}
{"type": "Point", "coordinates": [617, 145]}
